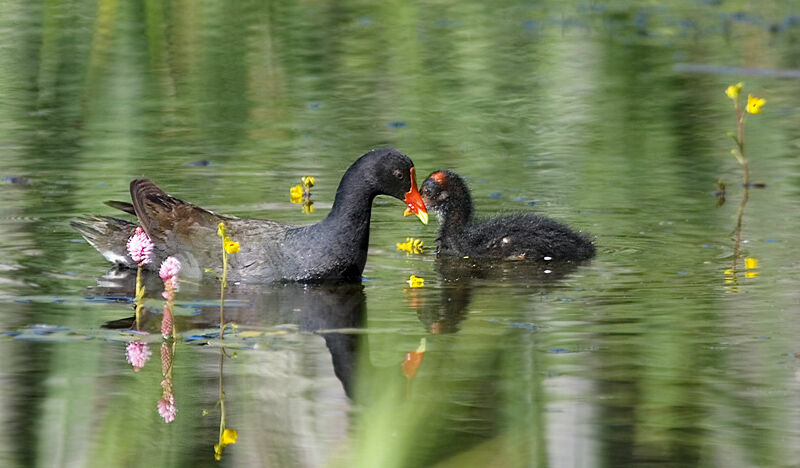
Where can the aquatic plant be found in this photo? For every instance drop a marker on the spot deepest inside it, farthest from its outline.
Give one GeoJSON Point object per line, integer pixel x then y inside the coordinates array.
{"type": "Point", "coordinates": [166, 405]}
{"type": "Point", "coordinates": [227, 436]}
{"type": "Point", "coordinates": [229, 247]}
{"type": "Point", "coordinates": [137, 353]}
{"type": "Point", "coordinates": [411, 245]}
{"type": "Point", "coordinates": [753, 106]}
{"type": "Point", "coordinates": [140, 248]}
{"type": "Point", "coordinates": [416, 281]}
{"type": "Point", "coordinates": [169, 274]}
{"type": "Point", "coordinates": [301, 194]}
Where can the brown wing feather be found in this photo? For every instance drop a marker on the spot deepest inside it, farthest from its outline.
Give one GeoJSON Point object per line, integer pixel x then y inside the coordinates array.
{"type": "Point", "coordinates": [181, 228]}
{"type": "Point", "coordinates": [121, 205]}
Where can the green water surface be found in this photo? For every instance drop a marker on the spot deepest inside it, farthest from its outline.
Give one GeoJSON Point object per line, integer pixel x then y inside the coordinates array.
{"type": "Point", "coordinates": [607, 115]}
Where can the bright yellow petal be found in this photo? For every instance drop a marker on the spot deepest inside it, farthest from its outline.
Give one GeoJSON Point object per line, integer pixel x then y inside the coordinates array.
{"type": "Point", "coordinates": [416, 282]}
{"type": "Point", "coordinates": [750, 263]}
{"type": "Point", "coordinates": [734, 90]}
{"type": "Point", "coordinates": [229, 436]}
{"type": "Point", "coordinates": [296, 194]}
{"type": "Point", "coordinates": [308, 181]}
{"type": "Point", "coordinates": [754, 104]}
{"type": "Point", "coordinates": [231, 247]}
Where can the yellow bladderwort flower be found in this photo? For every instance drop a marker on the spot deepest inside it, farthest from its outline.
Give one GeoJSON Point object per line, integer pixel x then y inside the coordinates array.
{"type": "Point", "coordinates": [296, 194]}
{"type": "Point", "coordinates": [308, 181]}
{"type": "Point", "coordinates": [228, 437]}
{"type": "Point", "coordinates": [308, 207]}
{"type": "Point", "coordinates": [754, 104]}
{"type": "Point", "coordinates": [751, 263]}
{"type": "Point", "coordinates": [734, 90]}
{"type": "Point", "coordinates": [231, 247]}
{"type": "Point", "coordinates": [416, 281]}
{"type": "Point", "coordinates": [221, 230]}
{"type": "Point", "coordinates": [411, 245]}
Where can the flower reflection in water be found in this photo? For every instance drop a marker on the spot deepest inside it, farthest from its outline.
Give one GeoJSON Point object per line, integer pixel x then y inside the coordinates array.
{"type": "Point", "coordinates": [166, 405]}
{"type": "Point", "coordinates": [137, 353]}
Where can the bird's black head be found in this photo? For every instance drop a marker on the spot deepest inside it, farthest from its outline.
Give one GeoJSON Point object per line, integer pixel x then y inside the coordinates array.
{"type": "Point", "coordinates": [390, 172]}
{"type": "Point", "coordinates": [445, 193]}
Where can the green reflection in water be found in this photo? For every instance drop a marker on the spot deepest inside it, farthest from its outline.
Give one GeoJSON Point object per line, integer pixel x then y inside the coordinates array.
{"type": "Point", "coordinates": [640, 357]}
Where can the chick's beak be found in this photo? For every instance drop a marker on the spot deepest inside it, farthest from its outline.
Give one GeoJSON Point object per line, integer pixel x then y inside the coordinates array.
{"type": "Point", "coordinates": [414, 201]}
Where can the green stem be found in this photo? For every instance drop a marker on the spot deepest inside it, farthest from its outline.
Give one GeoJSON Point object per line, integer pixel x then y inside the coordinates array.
{"type": "Point", "coordinates": [740, 143]}
{"type": "Point", "coordinates": [224, 284]}
{"type": "Point", "coordinates": [737, 246]}
{"type": "Point", "coordinates": [174, 325]}
{"type": "Point", "coordinates": [221, 400]}
{"type": "Point", "coordinates": [139, 295]}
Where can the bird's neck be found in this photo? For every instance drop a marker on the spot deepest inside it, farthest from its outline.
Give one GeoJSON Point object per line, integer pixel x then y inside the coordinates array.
{"type": "Point", "coordinates": [456, 217]}
{"type": "Point", "coordinates": [352, 208]}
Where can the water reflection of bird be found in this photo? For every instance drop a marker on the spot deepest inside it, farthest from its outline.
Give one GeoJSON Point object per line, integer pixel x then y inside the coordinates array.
{"type": "Point", "coordinates": [516, 236]}
{"type": "Point", "coordinates": [459, 278]}
{"type": "Point", "coordinates": [333, 249]}
{"type": "Point", "coordinates": [334, 312]}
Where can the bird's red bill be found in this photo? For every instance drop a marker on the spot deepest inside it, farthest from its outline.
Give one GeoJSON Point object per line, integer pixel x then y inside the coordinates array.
{"type": "Point", "coordinates": [414, 201]}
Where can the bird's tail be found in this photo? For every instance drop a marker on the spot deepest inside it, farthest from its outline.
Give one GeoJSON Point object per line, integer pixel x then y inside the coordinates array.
{"type": "Point", "coordinates": [108, 235]}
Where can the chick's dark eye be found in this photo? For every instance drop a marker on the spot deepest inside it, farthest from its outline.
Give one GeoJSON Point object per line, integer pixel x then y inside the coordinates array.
{"type": "Point", "coordinates": [398, 174]}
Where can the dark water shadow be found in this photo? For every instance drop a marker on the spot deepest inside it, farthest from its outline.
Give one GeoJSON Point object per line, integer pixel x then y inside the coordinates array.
{"type": "Point", "coordinates": [460, 278]}
{"type": "Point", "coordinates": [337, 313]}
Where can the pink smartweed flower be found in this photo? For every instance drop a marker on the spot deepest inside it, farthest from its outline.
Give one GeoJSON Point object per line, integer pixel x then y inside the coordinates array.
{"type": "Point", "coordinates": [140, 247]}
{"type": "Point", "coordinates": [166, 322]}
{"type": "Point", "coordinates": [137, 353]}
{"type": "Point", "coordinates": [166, 360]}
{"type": "Point", "coordinates": [167, 408]}
{"type": "Point", "coordinates": [169, 274]}
{"type": "Point", "coordinates": [169, 269]}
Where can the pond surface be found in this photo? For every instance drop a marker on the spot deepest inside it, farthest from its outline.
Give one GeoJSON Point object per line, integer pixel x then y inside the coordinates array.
{"type": "Point", "coordinates": [674, 346]}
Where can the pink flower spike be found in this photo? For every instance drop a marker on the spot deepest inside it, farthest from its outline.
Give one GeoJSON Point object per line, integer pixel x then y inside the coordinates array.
{"type": "Point", "coordinates": [166, 322]}
{"type": "Point", "coordinates": [166, 360]}
{"type": "Point", "coordinates": [140, 247]}
{"type": "Point", "coordinates": [169, 270]}
{"type": "Point", "coordinates": [167, 408]}
{"type": "Point", "coordinates": [137, 353]}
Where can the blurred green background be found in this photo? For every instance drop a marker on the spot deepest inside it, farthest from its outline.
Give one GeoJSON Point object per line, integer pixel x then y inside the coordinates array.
{"type": "Point", "coordinates": [608, 115]}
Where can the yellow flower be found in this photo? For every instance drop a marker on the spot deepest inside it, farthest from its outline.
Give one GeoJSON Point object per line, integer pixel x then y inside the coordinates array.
{"type": "Point", "coordinates": [308, 207]}
{"type": "Point", "coordinates": [231, 247]}
{"type": "Point", "coordinates": [228, 437]}
{"type": "Point", "coordinates": [733, 90]}
{"type": "Point", "coordinates": [751, 263]}
{"type": "Point", "coordinates": [754, 104]}
{"type": "Point", "coordinates": [308, 182]}
{"type": "Point", "coordinates": [296, 194]}
{"type": "Point", "coordinates": [411, 245]}
{"type": "Point", "coordinates": [221, 230]}
{"type": "Point", "coordinates": [415, 281]}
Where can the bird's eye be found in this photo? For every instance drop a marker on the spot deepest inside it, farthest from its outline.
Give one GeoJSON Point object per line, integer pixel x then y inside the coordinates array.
{"type": "Point", "coordinates": [398, 174]}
